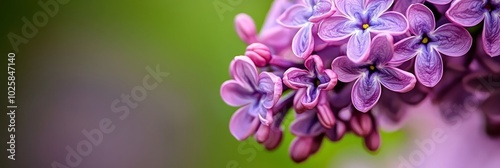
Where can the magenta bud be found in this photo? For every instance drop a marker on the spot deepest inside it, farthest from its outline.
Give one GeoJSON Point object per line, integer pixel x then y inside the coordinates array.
{"type": "Point", "coordinates": [274, 140]}
{"type": "Point", "coordinates": [259, 54]}
{"type": "Point", "coordinates": [301, 148]}
{"type": "Point", "coordinates": [262, 133]}
{"type": "Point", "coordinates": [372, 141]}
{"type": "Point", "coordinates": [361, 124]}
{"type": "Point", "coordinates": [245, 27]}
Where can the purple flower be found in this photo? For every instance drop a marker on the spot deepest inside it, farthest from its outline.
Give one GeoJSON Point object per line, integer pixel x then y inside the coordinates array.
{"type": "Point", "coordinates": [358, 19]}
{"type": "Point", "coordinates": [375, 70]}
{"type": "Point", "coordinates": [257, 93]}
{"type": "Point", "coordinates": [471, 12]}
{"type": "Point", "coordinates": [427, 44]}
{"type": "Point", "coordinates": [304, 16]}
{"type": "Point", "coordinates": [313, 84]}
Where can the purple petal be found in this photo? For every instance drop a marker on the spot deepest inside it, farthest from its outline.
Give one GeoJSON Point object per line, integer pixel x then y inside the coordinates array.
{"type": "Point", "coordinates": [452, 40]}
{"type": "Point", "coordinates": [245, 28]}
{"type": "Point", "coordinates": [243, 70]}
{"type": "Point", "coordinates": [390, 22]}
{"type": "Point", "coordinates": [303, 42]}
{"type": "Point", "coordinates": [439, 2]}
{"type": "Point", "coordinates": [271, 85]}
{"type": "Point", "coordinates": [365, 92]}
{"type": "Point", "coordinates": [295, 16]}
{"type": "Point", "coordinates": [402, 5]}
{"type": "Point", "coordinates": [405, 50]}
{"type": "Point", "coordinates": [234, 94]}
{"type": "Point", "coordinates": [321, 9]}
{"type": "Point", "coordinates": [358, 46]}
{"type": "Point", "coordinates": [429, 67]}
{"type": "Point", "coordinates": [296, 78]}
{"type": "Point", "coordinates": [375, 8]}
{"type": "Point", "coordinates": [381, 50]}
{"type": "Point", "coordinates": [466, 12]}
{"type": "Point", "coordinates": [242, 124]}
{"type": "Point", "coordinates": [346, 70]}
{"type": "Point", "coordinates": [420, 19]}
{"type": "Point", "coordinates": [491, 33]}
{"type": "Point", "coordinates": [336, 28]}
{"type": "Point", "coordinates": [397, 80]}
{"type": "Point", "coordinates": [306, 125]}
{"type": "Point", "coordinates": [349, 7]}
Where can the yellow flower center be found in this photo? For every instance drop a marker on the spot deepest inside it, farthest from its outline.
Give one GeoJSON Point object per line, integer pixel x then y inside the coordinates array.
{"type": "Point", "coordinates": [372, 68]}
{"type": "Point", "coordinates": [365, 26]}
{"type": "Point", "coordinates": [425, 40]}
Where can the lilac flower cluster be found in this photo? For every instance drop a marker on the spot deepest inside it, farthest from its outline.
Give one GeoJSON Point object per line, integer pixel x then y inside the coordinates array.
{"type": "Point", "coordinates": [328, 60]}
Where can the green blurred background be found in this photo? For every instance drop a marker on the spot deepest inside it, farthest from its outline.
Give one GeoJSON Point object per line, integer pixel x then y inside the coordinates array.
{"type": "Point", "coordinates": [91, 52]}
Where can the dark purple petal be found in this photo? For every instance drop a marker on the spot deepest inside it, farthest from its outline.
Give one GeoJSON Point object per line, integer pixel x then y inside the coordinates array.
{"type": "Point", "coordinates": [439, 2]}
{"type": "Point", "coordinates": [321, 9]}
{"type": "Point", "coordinates": [365, 92]}
{"type": "Point", "coordinates": [358, 46]}
{"type": "Point", "coordinates": [295, 16]}
{"type": "Point", "coordinates": [466, 12]}
{"type": "Point", "coordinates": [346, 70]}
{"type": "Point", "coordinates": [245, 28]}
{"type": "Point", "coordinates": [452, 40]}
{"type": "Point", "coordinates": [390, 22]}
{"type": "Point", "coordinates": [402, 5]}
{"type": "Point", "coordinates": [375, 8]}
{"type": "Point", "coordinates": [271, 85]}
{"type": "Point", "coordinates": [296, 78]}
{"type": "Point", "coordinates": [397, 80]}
{"type": "Point", "coordinates": [491, 33]}
{"type": "Point", "coordinates": [381, 50]}
{"type": "Point", "coordinates": [243, 70]}
{"type": "Point", "coordinates": [429, 67]}
{"type": "Point", "coordinates": [303, 42]}
{"type": "Point", "coordinates": [405, 50]}
{"type": "Point", "coordinates": [234, 94]}
{"type": "Point", "coordinates": [420, 19]}
{"type": "Point", "coordinates": [306, 125]}
{"type": "Point", "coordinates": [349, 7]}
{"type": "Point", "coordinates": [242, 124]}
{"type": "Point", "coordinates": [336, 28]}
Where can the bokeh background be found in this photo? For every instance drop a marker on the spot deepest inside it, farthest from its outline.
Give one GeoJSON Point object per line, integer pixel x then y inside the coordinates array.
{"type": "Point", "coordinates": [91, 52]}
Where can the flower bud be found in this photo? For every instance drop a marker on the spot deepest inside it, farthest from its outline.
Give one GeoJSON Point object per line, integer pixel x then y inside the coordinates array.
{"type": "Point", "coordinates": [259, 54]}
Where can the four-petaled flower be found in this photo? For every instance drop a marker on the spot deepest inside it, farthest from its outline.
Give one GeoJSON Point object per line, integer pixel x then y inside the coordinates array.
{"type": "Point", "coordinates": [471, 12]}
{"type": "Point", "coordinates": [304, 15]}
{"type": "Point", "coordinates": [257, 93]}
{"type": "Point", "coordinates": [358, 19]}
{"type": "Point", "coordinates": [375, 70]}
{"type": "Point", "coordinates": [449, 39]}
{"type": "Point", "coordinates": [314, 84]}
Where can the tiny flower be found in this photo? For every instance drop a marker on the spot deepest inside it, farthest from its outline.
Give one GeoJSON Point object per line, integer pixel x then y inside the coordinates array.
{"type": "Point", "coordinates": [313, 83]}
{"type": "Point", "coordinates": [358, 19]}
{"type": "Point", "coordinates": [471, 12]}
{"type": "Point", "coordinates": [256, 93]}
{"type": "Point", "coordinates": [375, 70]}
{"type": "Point", "coordinates": [303, 16]}
{"type": "Point", "coordinates": [427, 44]}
